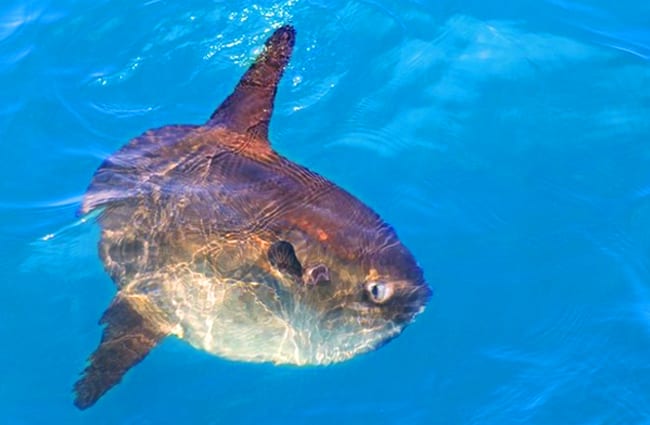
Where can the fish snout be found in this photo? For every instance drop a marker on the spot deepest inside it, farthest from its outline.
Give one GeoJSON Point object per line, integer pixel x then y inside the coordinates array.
{"type": "Point", "coordinates": [408, 300]}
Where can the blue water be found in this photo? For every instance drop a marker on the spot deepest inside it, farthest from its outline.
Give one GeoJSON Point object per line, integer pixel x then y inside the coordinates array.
{"type": "Point", "coordinates": [507, 142]}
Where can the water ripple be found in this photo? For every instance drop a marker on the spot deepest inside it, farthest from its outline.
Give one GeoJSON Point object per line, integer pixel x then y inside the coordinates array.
{"type": "Point", "coordinates": [610, 28]}
{"type": "Point", "coordinates": [13, 20]}
{"type": "Point", "coordinates": [124, 111]}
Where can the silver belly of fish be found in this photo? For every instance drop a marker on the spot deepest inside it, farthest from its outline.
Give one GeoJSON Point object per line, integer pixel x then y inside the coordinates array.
{"type": "Point", "coordinates": [257, 320]}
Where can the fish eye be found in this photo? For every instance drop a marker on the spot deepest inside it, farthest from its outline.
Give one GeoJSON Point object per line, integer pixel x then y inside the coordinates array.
{"type": "Point", "coordinates": [379, 292]}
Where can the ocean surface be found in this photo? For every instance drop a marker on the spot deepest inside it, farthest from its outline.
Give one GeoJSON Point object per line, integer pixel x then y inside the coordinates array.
{"type": "Point", "coordinates": [507, 142]}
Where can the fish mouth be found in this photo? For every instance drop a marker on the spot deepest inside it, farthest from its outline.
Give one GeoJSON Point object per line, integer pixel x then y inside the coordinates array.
{"type": "Point", "coordinates": [416, 303]}
{"type": "Point", "coordinates": [411, 302]}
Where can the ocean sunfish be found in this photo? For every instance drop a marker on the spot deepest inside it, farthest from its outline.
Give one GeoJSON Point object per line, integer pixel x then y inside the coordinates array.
{"type": "Point", "coordinates": [213, 237]}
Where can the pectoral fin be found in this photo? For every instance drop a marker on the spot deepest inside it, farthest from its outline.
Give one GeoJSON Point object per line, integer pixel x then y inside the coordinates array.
{"type": "Point", "coordinates": [127, 339]}
{"type": "Point", "coordinates": [283, 257]}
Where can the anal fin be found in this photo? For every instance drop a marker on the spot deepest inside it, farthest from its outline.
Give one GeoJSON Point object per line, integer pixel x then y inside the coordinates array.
{"type": "Point", "coordinates": [127, 339]}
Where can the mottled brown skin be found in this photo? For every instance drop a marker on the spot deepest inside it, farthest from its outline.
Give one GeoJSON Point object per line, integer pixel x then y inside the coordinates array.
{"type": "Point", "coordinates": [212, 236]}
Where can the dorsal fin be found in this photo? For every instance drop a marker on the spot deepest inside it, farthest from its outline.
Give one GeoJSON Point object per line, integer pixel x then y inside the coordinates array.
{"type": "Point", "coordinates": [248, 109]}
